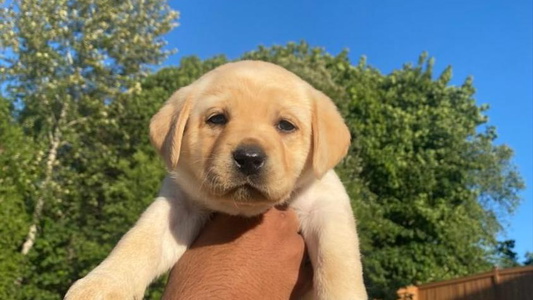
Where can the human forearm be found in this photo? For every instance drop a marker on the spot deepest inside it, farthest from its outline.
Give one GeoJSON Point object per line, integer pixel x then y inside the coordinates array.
{"type": "Point", "coordinates": [238, 258]}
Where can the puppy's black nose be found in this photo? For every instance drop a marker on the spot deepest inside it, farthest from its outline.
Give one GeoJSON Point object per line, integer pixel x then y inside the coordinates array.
{"type": "Point", "coordinates": [249, 159]}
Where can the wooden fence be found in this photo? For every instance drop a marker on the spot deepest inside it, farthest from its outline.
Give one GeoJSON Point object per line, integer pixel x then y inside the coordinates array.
{"type": "Point", "coordinates": [498, 284]}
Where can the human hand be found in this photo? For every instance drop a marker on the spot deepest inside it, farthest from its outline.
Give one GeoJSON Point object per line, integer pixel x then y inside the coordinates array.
{"type": "Point", "coordinates": [234, 257]}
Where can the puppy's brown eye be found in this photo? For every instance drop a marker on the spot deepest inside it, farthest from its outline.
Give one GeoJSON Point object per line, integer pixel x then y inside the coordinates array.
{"type": "Point", "coordinates": [218, 119]}
{"type": "Point", "coordinates": [286, 126]}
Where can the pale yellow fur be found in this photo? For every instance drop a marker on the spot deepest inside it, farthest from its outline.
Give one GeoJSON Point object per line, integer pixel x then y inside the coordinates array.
{"type": "Point", "coordinates": [201, 179]}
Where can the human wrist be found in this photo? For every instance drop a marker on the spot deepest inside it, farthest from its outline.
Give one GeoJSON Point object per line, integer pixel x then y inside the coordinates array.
{"type": "Point", "coordinates": [229, 275]}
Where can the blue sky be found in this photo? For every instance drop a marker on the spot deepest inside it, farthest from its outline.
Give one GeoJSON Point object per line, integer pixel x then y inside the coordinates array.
{"type": "Point", "coordinates": [490, 40]}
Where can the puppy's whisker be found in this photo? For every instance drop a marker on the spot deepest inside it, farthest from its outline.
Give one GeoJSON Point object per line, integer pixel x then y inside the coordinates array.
{"type": "Point", "coordinates": [205, 178]}
{"type": "Point", "coordinates": [235, 203]}
{"type": "Point", "coordinates": [208, 175]}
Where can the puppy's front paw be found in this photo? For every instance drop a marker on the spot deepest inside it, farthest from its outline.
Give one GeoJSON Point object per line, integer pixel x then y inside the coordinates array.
{"type": "Point", "coordinates": [94, 287]}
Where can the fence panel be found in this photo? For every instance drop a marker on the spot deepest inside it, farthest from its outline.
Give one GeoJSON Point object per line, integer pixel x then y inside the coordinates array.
{"type": "Point", "coordinates": [506, 284]}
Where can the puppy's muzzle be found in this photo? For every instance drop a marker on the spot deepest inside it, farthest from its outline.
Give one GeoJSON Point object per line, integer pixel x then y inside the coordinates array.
{"type": "Point", "coordinates": [249, 159]}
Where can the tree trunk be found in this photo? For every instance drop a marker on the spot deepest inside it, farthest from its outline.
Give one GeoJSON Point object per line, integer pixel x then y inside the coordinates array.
{"type": "Point", "coordinates": [55, 141]}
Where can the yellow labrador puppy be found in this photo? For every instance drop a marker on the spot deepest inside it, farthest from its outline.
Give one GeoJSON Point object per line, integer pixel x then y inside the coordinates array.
{"type": "Point", "coordinates": [241, 139]}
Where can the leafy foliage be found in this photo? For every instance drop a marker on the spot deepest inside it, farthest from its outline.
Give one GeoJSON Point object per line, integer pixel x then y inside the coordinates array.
{"type": "Point", "coordinates": [16, 150]}
{"type": "Point", "coordinates": [64, 65]}
{"type": "Point", "coordinates": [508, 258]}
{"type": "Point", "coordinates": [528, 259]}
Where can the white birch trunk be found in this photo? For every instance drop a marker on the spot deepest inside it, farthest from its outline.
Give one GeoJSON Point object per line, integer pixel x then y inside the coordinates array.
{"type": "Point", "coordinates": [55, 141]}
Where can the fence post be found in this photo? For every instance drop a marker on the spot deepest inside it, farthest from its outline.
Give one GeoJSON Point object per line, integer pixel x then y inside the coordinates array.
{"type": "Point", "coordinates": [496, 282]}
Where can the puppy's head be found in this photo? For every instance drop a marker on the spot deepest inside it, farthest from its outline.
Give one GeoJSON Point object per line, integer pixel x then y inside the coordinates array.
{"type": "Point", "coordinates": [242, 137]}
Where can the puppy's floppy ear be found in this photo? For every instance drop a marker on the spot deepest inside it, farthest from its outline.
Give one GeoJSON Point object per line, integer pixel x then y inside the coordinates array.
{"type": "Point", "coordinates": [331, 137]}
{"type": "Point", "coordinates": [168, 124]}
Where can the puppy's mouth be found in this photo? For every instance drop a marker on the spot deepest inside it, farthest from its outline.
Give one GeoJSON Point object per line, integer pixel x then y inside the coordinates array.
{"type": "Point", "coordinates": [245, 190]}
{"type": "Point", "coordinates": [247, 194]}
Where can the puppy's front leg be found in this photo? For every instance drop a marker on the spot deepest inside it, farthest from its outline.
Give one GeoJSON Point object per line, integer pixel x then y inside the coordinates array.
{"type": "Point", "coordinates": [151, 247]}
{"type": "Point", "coordinates": [330, 234]}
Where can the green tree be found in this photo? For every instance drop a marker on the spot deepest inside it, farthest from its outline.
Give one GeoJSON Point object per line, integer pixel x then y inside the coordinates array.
{"type": "Point", "coordinates": [16, 150]}
{"type": "Point", "coordinates": [528, 259]}
{"type": "Point", "coordinates": [506, 254]}
{"type": "Point", "coordinates": [63, 63]}
{"type": "Point", "coordinates": [434, 182]}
